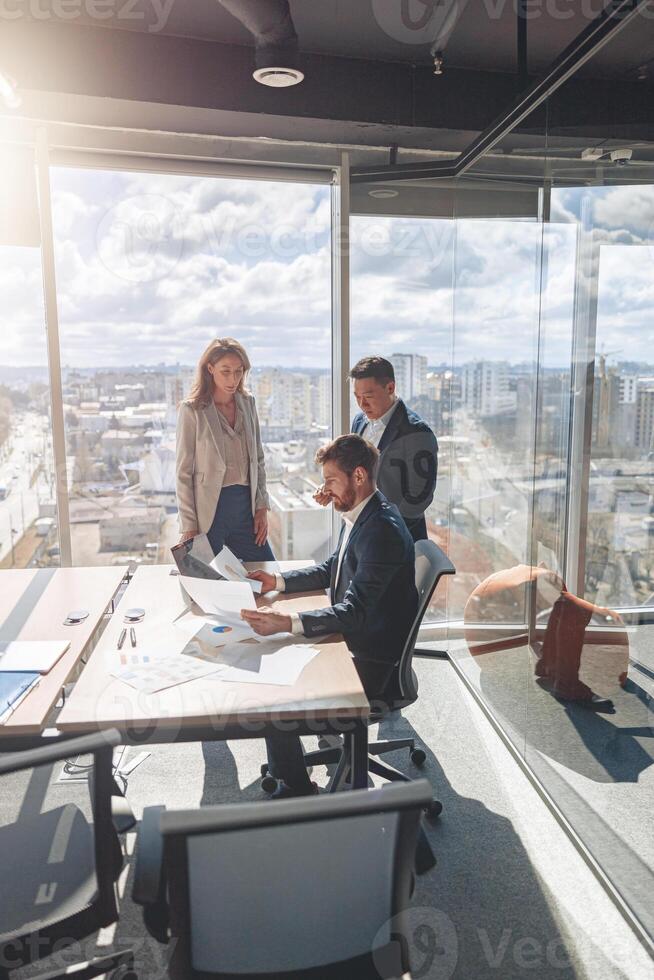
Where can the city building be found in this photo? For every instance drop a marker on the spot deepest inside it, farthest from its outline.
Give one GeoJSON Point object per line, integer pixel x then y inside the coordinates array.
{"type": "Point", "coordinates": [298, 525]}
{"type": "Point", "coordinates": [645, 416]}
{"type": "Point", "coordinates": [410, 374]}
{"type": "Point", "coordinates": [130, 527]}
{"type": "Point", "coordinates": [485, 388]}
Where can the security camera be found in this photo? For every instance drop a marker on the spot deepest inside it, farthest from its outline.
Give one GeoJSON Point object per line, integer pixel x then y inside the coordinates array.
{"type": "Point", "coordinates": [621, 157]}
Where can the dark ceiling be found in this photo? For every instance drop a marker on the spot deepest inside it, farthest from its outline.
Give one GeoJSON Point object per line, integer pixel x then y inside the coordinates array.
{"type": "Point", "coordinates": [368, 76]}
{"type": "Point", "coordinates": [479, 34]}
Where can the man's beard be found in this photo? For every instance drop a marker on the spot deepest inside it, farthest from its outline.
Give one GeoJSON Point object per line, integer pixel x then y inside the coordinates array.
{"type": "Point", "coordinates": [346, 502]}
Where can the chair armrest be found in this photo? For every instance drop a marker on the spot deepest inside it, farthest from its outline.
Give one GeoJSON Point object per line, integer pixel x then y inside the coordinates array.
{"type": "Point", "coordinates": [149, 889]}
{"type": "Point", "coordinates": [57, 750]}
{"type": "Point", "coordinates": [148, 871]}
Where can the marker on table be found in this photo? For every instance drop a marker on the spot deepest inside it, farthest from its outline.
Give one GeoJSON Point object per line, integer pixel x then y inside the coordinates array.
{"type": "Point", "coordinates": [121, 638]}
{"type": "Point", "coordinates": [132, 636]}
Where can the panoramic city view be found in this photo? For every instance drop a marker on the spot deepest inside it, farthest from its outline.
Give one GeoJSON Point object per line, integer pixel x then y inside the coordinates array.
{"type": "Point", "coordinates": [150, 267]}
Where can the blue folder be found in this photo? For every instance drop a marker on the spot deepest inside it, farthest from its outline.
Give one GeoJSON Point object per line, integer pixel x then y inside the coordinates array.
{"type": "Point", "coordinates": [13, 685]}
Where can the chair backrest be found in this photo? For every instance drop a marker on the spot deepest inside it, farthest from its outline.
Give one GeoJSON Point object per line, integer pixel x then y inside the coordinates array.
{"type": "Point", "coordinates": [299, 888]}
{"type": "Point", "coordinates": [431, 564]}
{"type": "Point", "coordinates": [44, 887]}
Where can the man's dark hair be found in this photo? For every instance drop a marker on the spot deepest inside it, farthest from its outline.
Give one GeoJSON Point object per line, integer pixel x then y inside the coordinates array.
{"type": "Point", "coordinates": [348, 452]}
{"type": "Point", "coordinates": [373, 367]}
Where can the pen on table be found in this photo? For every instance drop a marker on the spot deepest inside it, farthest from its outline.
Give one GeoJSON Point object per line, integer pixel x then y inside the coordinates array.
{"type": "Point", "coordinates": [132, 636]}
{"type": "Point", "coordinates": [121, 638]}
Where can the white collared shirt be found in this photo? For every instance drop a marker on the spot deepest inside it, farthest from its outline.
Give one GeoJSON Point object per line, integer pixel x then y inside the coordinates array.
{"type": "Point", "coordinates": [374, 429]}
{"type": "Point", "coordinates": [350, 518]}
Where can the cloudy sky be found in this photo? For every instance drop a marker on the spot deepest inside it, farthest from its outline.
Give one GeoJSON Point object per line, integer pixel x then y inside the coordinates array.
{"type": "Point", "coordinates": [151, 267]}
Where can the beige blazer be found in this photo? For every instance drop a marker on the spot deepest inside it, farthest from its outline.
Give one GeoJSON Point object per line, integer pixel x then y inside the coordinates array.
{"type": "Point", "coordinates": [201, 462]}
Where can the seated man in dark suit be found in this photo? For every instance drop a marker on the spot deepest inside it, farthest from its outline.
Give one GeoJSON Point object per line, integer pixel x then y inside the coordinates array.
{"type": "Point", "coordinates": [371, 581]}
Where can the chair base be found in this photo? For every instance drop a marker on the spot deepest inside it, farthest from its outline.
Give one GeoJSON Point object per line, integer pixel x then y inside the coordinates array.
{"type": "Point", "coordinates": [337, 755]}
{"type": "Point", "coordinates": [426, 652]}
{"type": "Point", "coordinates": [120, 965]}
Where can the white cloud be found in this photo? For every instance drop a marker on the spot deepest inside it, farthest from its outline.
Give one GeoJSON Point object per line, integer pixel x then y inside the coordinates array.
{"type": "Point", "coordinates": [150, 266]}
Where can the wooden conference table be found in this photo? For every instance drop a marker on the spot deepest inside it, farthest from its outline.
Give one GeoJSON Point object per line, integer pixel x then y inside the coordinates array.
{"type": "Point", "coordinates": [327, 697]}
{"type": "Point", "coordinates": [33, 606]}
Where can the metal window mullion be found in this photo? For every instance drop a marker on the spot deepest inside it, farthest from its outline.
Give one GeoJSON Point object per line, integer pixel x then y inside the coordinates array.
{"type": "Point", "coordinates": [341, 298]}
{"type": "Point", "coordinates": [581, 407]}
{"type": "Point", "coordinates": [340, 306]}
{"type": "Point", "coordinates": [54, 357]}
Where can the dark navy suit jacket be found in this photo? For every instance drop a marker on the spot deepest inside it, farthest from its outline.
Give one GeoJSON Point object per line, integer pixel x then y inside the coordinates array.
{"type": "Point", "coordinates": [408, 465]}
{"type": "Point", "coordinates": [375, 601]}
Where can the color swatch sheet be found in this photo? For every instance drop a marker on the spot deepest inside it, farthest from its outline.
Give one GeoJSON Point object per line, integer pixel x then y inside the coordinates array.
{"type": "Point", "coordinates": [164, 672]}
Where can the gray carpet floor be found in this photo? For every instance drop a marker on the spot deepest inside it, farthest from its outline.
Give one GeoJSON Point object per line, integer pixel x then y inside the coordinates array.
{"type": "Point", "coordinates": [508, 898]}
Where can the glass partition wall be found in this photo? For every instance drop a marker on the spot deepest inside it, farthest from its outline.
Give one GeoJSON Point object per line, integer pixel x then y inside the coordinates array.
{"type": "Point", "coordinates": [524, 298]}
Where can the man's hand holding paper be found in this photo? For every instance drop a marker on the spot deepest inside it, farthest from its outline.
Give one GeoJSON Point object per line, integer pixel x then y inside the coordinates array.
{"type": "Point", "coordinates": [265, 622]}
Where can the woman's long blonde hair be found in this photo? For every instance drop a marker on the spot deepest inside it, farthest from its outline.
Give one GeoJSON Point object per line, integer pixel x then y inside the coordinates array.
{"type": "Point", "coordinates": [201, 393]}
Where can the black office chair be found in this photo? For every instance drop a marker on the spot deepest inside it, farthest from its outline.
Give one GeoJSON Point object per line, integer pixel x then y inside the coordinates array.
{"type": "Point", "coordinates": [57, 870]}
{"type": "Point", "coordinates": [315, 888]}
{"type": "Point", "coordinates": [431, 565]}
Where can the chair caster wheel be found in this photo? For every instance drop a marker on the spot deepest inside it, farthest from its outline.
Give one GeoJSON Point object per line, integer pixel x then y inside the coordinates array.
{"type": "Point", "coordinates": [269, 784]}
{"type": "Point", "coordinates": [434, 809]}
{"type": "Point", "coordinates": [418, 757]}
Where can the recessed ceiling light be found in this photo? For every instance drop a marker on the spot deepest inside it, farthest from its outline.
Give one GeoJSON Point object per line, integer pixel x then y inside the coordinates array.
{"type": "Point", "coordinates": [278, 77]}
{"type": "Point", "coordinates": [383, 192]}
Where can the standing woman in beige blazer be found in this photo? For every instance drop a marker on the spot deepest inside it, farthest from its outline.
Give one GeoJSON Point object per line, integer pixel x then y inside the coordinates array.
{"type": "Point", "coordinates": [221, 475]}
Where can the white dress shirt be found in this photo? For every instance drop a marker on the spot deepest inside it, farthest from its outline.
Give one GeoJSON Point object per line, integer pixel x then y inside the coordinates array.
{"type": "Point", "coordinates": [374, 428]}
{"type": "Point", "coordinates": [350, 518]}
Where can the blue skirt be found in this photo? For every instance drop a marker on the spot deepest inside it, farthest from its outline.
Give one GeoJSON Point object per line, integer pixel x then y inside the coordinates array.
{"type": "Point", "coordinates": [233, 525]}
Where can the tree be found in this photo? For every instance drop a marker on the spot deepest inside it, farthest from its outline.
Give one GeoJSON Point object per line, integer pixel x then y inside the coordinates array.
{"type": "Point", "coordinates": [84, 465]}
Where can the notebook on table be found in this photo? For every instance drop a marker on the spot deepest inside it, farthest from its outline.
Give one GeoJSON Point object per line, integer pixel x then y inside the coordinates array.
{"type": "Point", "coordinates": [31, 655]}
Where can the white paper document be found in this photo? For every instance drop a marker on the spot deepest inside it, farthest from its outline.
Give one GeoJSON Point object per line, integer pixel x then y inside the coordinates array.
{"type": "Point", "coordinates": [164, 672]}
{"type": "Point", "coordinates": [265, 663]}
{"type": "Point", "coordinates": [222, 599]}
{"type": "Point", "coordinates": [228, 565]}
{"type": "Point", "coordinates": [36, 655]}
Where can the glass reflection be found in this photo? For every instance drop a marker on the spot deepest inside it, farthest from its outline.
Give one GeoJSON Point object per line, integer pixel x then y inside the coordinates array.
{"type": "Point", "coordinates": [585, 711]}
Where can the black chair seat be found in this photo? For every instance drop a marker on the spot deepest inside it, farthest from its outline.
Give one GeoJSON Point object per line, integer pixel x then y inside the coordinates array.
{"type": "Point", "coordinates": [48, 870]}
{"type": "Point", "coordinates": [58, 869]}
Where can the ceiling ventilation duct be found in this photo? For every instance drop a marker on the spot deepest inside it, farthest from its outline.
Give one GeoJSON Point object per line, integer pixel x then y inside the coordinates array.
{"type": "Point", "coordinates": [271, 25]}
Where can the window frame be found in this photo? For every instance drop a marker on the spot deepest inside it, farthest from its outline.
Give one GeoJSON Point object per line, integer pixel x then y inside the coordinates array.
{"type": "Point", "coordinates": [337, 177]}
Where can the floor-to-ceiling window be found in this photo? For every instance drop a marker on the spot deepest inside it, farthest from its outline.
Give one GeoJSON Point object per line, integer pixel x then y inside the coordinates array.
{"type": "Point", "coordinates": [28, 518]}
{"type": "Point", "coordinates": [150, 268]}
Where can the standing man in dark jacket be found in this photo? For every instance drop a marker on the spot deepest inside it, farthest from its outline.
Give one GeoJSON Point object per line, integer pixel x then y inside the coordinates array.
{"type": "Point", "coordinates": [408, 449]}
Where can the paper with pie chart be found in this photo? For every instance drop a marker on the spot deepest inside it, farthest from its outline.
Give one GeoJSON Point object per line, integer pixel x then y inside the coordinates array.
{"type": "Point", "coordinates": [214, 631]}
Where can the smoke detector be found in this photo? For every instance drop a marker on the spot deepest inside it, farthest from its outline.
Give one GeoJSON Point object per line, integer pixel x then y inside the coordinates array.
{"type": "Point", "coordinates": [621, 157]}
{"type": "Point", "coordinates": [277, 77]}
